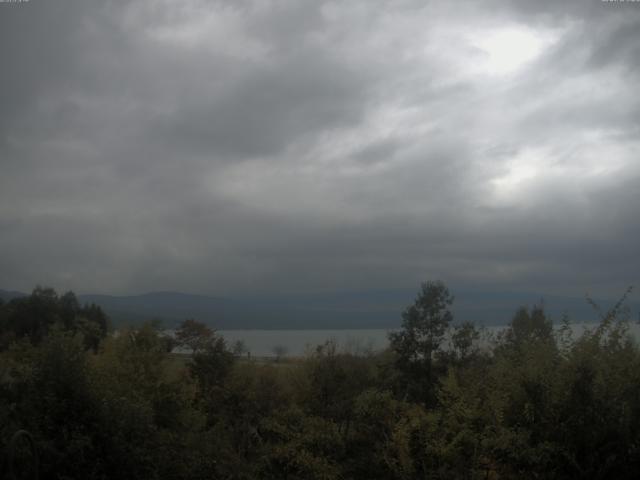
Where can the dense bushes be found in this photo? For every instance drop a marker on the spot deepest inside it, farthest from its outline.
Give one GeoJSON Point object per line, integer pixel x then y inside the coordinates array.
{"type": "Point", "coordinates": [533, 402]}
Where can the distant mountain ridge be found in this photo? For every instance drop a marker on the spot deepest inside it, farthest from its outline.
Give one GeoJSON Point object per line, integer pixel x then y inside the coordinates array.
{"type": "Point", "coordinates": [7, 295]}
{"type": "Point", "coordinates": [349, 310]}
{"type": "Point", "coordinates": [226, 313]}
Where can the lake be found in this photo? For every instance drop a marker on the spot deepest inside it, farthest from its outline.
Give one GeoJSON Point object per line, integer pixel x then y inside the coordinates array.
{"type": "Point", "coordinates": [261, 343]}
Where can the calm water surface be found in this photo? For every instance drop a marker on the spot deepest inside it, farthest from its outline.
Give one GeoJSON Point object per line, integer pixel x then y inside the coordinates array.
{"type": "Point", "coordinates": [262, 343]}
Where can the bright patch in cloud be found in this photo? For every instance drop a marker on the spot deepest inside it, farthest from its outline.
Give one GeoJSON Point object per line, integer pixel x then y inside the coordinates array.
{"type": "Point", "coordinates": [507, 50]}
{"type": "Point", "coordinates": [520, 172]}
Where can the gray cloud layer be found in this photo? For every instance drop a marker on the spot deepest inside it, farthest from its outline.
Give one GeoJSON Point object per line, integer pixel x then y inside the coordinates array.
{"type": "Point", "coordinates": [255, 146]}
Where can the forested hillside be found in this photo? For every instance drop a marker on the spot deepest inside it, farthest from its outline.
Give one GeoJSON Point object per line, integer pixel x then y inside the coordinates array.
{"type": "Point", "coordinates": [533, 402]}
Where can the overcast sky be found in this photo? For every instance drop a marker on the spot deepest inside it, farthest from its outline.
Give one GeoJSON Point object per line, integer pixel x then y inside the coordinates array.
{"type": "Point", "coordinates": [244, 147]}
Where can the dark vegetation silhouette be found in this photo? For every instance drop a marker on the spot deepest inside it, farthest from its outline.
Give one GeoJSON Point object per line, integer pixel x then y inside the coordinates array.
{"type": "Point", "coordinates": [443, 401]}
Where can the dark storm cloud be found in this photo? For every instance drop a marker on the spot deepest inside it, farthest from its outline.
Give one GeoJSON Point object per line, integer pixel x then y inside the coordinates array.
{"type": "Point", "coordinates": [263, 111]}
{"type": "Point", "coordinates": [225, 147]}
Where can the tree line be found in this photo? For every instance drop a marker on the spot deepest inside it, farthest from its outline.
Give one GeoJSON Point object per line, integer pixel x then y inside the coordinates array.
{"type": "Point", "coordinates": [440, 403]}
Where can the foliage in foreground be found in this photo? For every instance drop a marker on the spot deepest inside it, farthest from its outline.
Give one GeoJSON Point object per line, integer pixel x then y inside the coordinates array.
{"type": "Point", "coordinates": [443, 402]}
